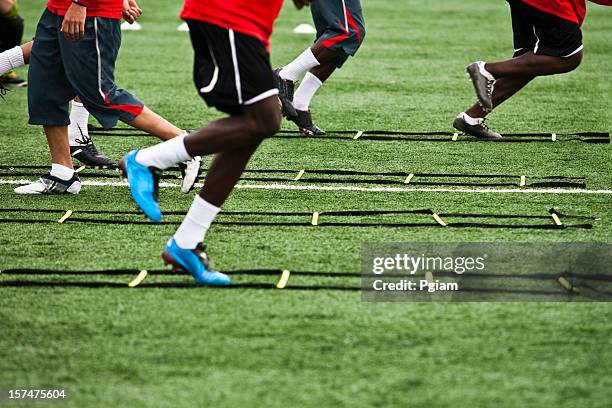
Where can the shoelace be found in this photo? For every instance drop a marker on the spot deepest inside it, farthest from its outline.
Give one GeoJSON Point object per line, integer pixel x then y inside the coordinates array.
{"type": "Point", "coordinates": [85, 138]}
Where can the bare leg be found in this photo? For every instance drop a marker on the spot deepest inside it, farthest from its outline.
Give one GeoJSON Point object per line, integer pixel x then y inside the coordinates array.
{"type": "Point", "coordinates": [531, 65]}
{"type": "Point", "coordinates": [27, 51]}
{"type": "Point", "coordinates": [57, 139]}
{"type": "Point", "coordinates": [155, 125]}
{"type": "Point", "coordinates": [327, 58]}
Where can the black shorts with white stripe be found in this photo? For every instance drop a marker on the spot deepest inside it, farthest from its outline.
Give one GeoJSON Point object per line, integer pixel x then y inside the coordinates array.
{"type": "Point", "coordinates": [231, 70]}
{"type": "Point", "coordinates": [543, 33]}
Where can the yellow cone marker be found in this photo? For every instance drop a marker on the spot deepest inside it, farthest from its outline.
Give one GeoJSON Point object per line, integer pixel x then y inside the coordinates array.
{"type": "Point", "coordinates": [556, 219]}
{"type": "Point", "coordinates": [138, 279]}
{"type": "Point", "coordinates": [523, 181]}
{"type": "Point", "coordinates": [315, 219]}
{"type": "Point", "coordinates": [358, 135]}
{"type": "Point", "coordinates": [299, 176]}
{"type": "Point", "coordinates": [567, 285]}
{"type": "Point", "coordinates": [554, 137]}
{"type": "Point", "coordinates": [409, 178]}
{"type": "Point", "coordinates": [65, 217]}
{"type": "Point", "coordinates": [80, 169]}
{"type": "Point", "coordinates": [455, 137]}
{"type": "Point", "coordinates": [439, 220]}
{"type": "Point", "coordinates": [282, 282]}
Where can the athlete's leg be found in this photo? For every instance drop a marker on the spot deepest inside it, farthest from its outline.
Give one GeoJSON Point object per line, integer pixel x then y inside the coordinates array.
{"type": "Point", "coordinates": [154, 124]}
{"type": "Point", "coordinates": [57, 139]}
{"type": "Point", "coordinates": [504, 89]}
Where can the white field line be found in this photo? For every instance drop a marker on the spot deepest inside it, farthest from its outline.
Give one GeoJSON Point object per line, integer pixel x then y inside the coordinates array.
{"type": "Point", "coordinates": [355, 188]}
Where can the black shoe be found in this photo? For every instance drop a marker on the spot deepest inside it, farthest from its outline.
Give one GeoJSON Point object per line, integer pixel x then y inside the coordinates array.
{"type": "Point", "coordinates": [88, 154]}
{"type": "Point", "coordinates": [12, 79]}
{"type": "Point", "coordinates": [483, 86]}
{"type": "Point", "coordinates": [480, 130]}
{"type": "Point", "coordinates": [304, 122]}
{"type": "Point", "coordinates": [285, 94]}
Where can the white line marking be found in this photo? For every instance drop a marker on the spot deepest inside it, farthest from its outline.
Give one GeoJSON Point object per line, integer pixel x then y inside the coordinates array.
{"type": "Point", "coordinates": [354, 188]}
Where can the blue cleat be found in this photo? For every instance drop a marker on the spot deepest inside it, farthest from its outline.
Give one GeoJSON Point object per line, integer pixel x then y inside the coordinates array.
{"type": "Point", "coordinates": [144, 185]}
{"type": "Point", "coordinates": [195, 262]}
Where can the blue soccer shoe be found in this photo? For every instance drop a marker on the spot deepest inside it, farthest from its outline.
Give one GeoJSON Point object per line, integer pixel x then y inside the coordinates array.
{"type": "Point", "coordinates": [195, 262]}
{"type": "Point", "coordinates": [144, 185]}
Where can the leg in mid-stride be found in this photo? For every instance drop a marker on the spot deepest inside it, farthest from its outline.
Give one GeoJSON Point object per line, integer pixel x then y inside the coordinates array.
{"type": "Point", "coordinates": [340, 32]}
{"type": "Point", "coordinates": [232, 73]}
{"type": "Point", "coordinates": [67, 62]}
{"type": "Point", "coordinates": [544, 43]}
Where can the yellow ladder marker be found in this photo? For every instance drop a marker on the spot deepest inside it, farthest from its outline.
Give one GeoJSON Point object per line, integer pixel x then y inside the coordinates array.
{"type": "Point", "coordinates": [556, 219]}
{"type": "Point", "coordinates": [299, 176]}
{"type": "Point", "coordinates": [409, 178]}
{"type": "Point", "coordinates": [554, 137]}
{"type": "Point", "coordinates": [567, 285]}
{"type": "Point", "coordinates": [80, 169]}
{"type": "Point", "coordinates": [358, 135]}
{"type": "Point", "coordinates": [523, 181]}
{"type": "Point", "coordinates": [455, 137]}
{"type": "Point", "coordinates": [284, 279]}
{"type": "Point", "coordinates": [439, 220]}
{"type": "Point", "coordinates": [138, 279]}
{"type": "Point", "coordinates": [66, 215]}
{"type": "Point", "coordinates": [429, 277]}
{"type": "Point", "coordinates": [315, 219]}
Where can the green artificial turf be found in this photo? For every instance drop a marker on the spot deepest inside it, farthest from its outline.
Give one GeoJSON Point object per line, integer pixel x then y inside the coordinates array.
{"type": "Point", "coordinates": [254, 347]}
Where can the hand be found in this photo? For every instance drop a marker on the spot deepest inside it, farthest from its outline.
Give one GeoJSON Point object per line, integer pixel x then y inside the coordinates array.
{"type": "Point", "coordinates": [301, 3]}
{"type": "Point", "coordinates": [131, 11]}
{"type": "Point", "coordinates": [73, 25]}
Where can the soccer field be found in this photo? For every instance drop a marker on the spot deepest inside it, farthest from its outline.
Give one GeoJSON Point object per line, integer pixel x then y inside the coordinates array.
{"type": "Point", "coordinates": [168, 343]}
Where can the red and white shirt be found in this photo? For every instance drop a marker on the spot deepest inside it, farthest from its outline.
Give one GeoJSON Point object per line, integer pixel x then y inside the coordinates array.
{"type": "Point", "coordinates": [251, 17]}
{"type": "Point", "coordinates": [95, 8]}
{"type": "Point", "coordinates": [572, 10]}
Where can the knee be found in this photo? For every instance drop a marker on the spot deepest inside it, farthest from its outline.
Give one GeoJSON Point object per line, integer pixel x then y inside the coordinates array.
{"type": "Point", "coordinates": [265, 122]}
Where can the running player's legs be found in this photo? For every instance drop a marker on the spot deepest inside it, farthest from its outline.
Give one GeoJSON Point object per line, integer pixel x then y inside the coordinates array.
{"type": "Point", "coordinates": [544, 45]}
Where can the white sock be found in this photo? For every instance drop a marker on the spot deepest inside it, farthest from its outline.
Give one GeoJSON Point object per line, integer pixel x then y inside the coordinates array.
{"type": "Point", "coordinates": [61, 172]}
{"type": "Point", "coordinates": [77, 130]}
{"type": "Point", "coordinates": [484, 72]}
{"type": "Point", "coordinates": [296, 68]}
{"type": "Point", "coordinates": [470, 120]}
{"type": "Point", "coordinates": [193, 228]}
{"type": "Point", "coordinates": [307, 89]}
{"type": "Point", "coordinates": [11, 59]}
{"type": "Point", "coordinates": [164, 155]}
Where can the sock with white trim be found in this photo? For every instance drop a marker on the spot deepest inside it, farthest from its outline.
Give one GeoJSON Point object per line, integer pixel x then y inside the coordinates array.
{"type": "Point", "coordinates": [61, 172]}
{"type": "Point", "coordinates": [164, 155]}
{"type": "Point", "coordinates": [78, 134]}
{"type": "Point", "coordinates": [296, 68]}
{"type": "Point", "coordinates": [470, 120]}
{"type": "Point", "coordinates": [306, 91]}
{"type": "Point", "coordinates": [197, 221]}
{"type": "Point", "coordinates": [11, 59]}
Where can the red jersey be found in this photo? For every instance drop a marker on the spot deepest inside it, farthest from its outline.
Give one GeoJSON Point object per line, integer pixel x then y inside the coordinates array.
{"type": "Point", "coordinates": [572, 10]}
{"type": "Point", "coordinates": [95, 8]}
{"type": "Point", "coordinates": [250, 17]}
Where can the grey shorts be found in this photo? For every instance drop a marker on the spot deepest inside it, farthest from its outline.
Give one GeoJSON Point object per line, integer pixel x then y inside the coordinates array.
{"type": "Point", "coordinates": [61, 69]}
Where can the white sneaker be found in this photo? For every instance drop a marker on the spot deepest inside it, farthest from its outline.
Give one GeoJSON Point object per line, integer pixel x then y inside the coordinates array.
{"type": "Point", "coordinates": [48, 184]}
{"type": "Point", "coordinates": [190, 171]}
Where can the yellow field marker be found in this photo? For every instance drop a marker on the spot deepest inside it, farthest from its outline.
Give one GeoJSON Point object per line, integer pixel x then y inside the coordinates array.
{"type": "Point", "coordinates": [439, 220]}
{"type": "Point", "coordinates": [65, 217]}
{"type": "Point", "coordinates": [409, 178]}
{"type": "Point", "coordinates": [523, 181]}
{"type": "Point", "coordinates": [299, 176]}
{"type": "Point", "coordinates": [138, 279]}
{"type": "Point", "coordinates": [554, 137]}
{"type": "Point", "coordinates": [315, 219]}
{"type": "Point", "coordinates": [282, 282]}
{"type": "Point", "coordinates": [455, 137]}
{"type": "Point", "coordinates": [80, 169]}
{"type": "Point", "coordinates": [567, 285]}
{"type": "Point", "coordinates": [556, 219]}
{"type": "Point", "coordinates": [358, 135]}
{"type": "Point", "coordinates": [429, 277]}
